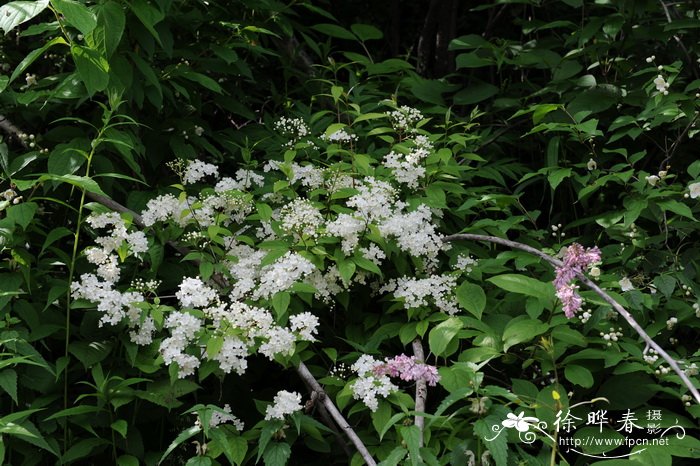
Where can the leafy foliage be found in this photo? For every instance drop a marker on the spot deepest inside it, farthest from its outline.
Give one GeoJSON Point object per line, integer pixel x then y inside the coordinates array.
{"type": "Point", "coordinates": [551, 123]}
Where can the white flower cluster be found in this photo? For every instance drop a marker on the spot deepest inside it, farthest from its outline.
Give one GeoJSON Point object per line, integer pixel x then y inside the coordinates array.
{"type": "Point", "coordinates": [417, 291]}
{"type": "Point", "coordinates": [408, 168]}
{"type": "Point", "coordinates": [414, 232]}
{"type": "Point", "coordinates": [282, 274]}
{"type": "Point", "coordinates": [183, 329]}
{"type": "Point", "coordinates": [374, 200]}
{"type": "Point", "coordinates": [195, 294]}
{"type": "Point", "coordinates": [118, 236]}
{"type": "Point", "coordinates": [405, 118]}
{"type": "Point", "coordinates": [284, 403]}
{"type": "Point", "coordinates": [340, 136]}
{"type": "Point", "coordinates": [465, 262]}
{"type": "Point", "coordinates": [294, 128]}
{"type": "Point", "coordinates": [196, 170]}
{"type": "Point", "coordinates": [348, 228]}
{"type": "Point", "coordinates": [368, 385]}
{"type": "Point", "coordinates": [217, 418]}
{"type": "Point", "coordinates": [301, 217]}
{"type": "Point", "coordinates": [115, 305]}
{"type": "Point", "coordinates": [245, 179]}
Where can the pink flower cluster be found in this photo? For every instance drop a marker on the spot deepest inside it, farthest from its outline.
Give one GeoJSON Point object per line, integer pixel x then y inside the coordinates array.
{"type": "Point", "coordinates": [406, 368]}
{"type": "Point", "coordinates": [576, 259]}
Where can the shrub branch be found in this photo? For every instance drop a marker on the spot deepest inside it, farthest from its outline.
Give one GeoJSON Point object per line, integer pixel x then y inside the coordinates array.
{"type": "Point", "coordinates": [586, 281]}
{"type": "Point", "coordinates": [421, 390]}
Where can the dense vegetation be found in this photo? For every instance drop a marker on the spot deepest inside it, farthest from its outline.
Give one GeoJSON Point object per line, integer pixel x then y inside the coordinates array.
{"type": "Point", "coordinates": [207, 205]}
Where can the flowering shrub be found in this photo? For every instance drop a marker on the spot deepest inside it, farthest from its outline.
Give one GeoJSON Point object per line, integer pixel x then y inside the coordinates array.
{"type": "Point", "coordinates": [222, 245]}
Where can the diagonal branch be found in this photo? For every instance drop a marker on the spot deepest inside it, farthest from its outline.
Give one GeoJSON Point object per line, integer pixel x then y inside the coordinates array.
{"type": "Point", "coordinates": [586, 281]}
{"type": "Point", "coordinates": [421, 390]}
{"type": "Point", "coordinates": [335, 414]}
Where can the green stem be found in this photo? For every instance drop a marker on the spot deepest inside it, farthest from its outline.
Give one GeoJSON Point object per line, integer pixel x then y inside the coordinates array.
{"type": "Point", "coordinates": [71, 273]}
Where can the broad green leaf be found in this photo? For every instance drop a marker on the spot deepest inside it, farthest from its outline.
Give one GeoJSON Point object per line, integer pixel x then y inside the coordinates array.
{"type": "Point", "coordinates": [127, 460]}
{"type": "Point", "coordinates": [77, 15]}
{"type": "Point", "coordinates": [519, 331]}
{"type": "Point", "coordinates": [440, 336]}
{"type": "Point", "coordinates": [366, 32]}
{"type": "Point", "coordinates": [578, 375]}
{"type": "Point", "coordinates": [82, 182]}
{"type": "Point", "coordinates": [8, 382]}
{"type": "Point", "coordinates": [22, 214]}
{"type": "Point", "coordinates": [148, 15]}
{"type": "Point", "coordinates": [81, 449]}
{"type": "Point", "coordinates": [121, 427]}
{"type": "Point", "coordinates": [556, 176]}
{"type": "Point", "coordinates": [277, 454]}
{"type": "Point", "coordinates": [411, 435]}
{"type": "Point", "coordinates": [93, 68]}
{"type": "Point", "coordinates": [472, 298]}
{"type": "Point", "coordinates": [334, 30]}
{"type": "Point", "coordinates": [15, 13]}
{"type": "Point", "coordinates": [33, 55]}
{"type": "Point", "coordinates": [524, 285]}
{"type": "Point", "coordinates": [110, 28]}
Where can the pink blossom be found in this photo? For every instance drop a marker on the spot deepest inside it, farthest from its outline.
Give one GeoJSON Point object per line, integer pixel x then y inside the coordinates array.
{"type": "Point", "coordinates": [406, 368]}
{"type": "Point", "coordinates": [570, 299]}
{"type": "Point", "coordinates": [575, 261]}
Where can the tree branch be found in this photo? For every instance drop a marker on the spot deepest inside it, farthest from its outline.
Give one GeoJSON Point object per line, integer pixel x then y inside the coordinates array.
{"type": "Point", "coordinates": [421, 391]}
{"type": "Point", "coordinates": [586, 281]}
{"type": "Point", "coordinates": [304, 373]}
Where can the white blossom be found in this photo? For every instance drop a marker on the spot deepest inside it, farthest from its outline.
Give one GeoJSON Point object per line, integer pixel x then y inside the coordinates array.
{"type": "Point", "coordinates": [368, 385]}
{"type": "Point", "coordinates": [694, 189]}
{"type": "Point", "coordinates": [196, 170]}
{"type": "Point", "coordinates": [304, 324]}
{"type": "Point", "coordinates": [348, 228]}
{"type": "Point", "coordinates": [284, 403]}
{"type": "Point", "coordinates": [420, 292]}
{"type": "Point", "coordinates": [626, 284]}
{"type": "Point", "coordinates": [301, 217]}
{"type": "Point", "coordinates": [194, 293]}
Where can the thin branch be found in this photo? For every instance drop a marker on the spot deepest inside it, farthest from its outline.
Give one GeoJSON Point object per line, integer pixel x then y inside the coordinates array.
{"type": "Point", "coordinates": [421, 390]}
{"type": "Point", "coordinates": [304, 373]}
{"type": "Point", "coordinates": [327, 420]}
{"type": "Point", "coordinates": [606, 297]}
{"type": "Point", "coordinates": [8, 127]}
{"type": "Point", "coordinates": [691, 64]}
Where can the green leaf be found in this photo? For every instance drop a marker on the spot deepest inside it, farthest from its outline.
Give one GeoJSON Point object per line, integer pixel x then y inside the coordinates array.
{"type": "Point", "coordinates": [201, 79]}
{"type": "Point", "coordinates": [82, 449]}
{"type": "Point", "coordinates": [82, 182]}
{"type": "Point", "coordinates": [346, 268]}
{"type": "Point", "coordinates": [77, 15]}
{"type": "Point", "coordinates": [524, 285]}
{"type": "Point", "coordinates": [33, 55]}
{"type": "Point", "coordinates": [280, 302]}
{"type": "Point", "coordinates": [472, 298]}
{"type": "Point", "coordinates": [15, 13]}
{"type": "Point", "coordinates": [120, 427]}
{"type": "Point", "coordinates": [440, 336]}
{"type": "Point", "coordinates": [180, 439]}
{"type": "Point", "coordinates": [366, 32]}
{"type": "Point", "coordinates": [148, 15]}
{"type": "Point", "coordinates": [367, 264]}
{"type": "Point", "coordinates": [110, 28]}
{"type": "Point", "coordinates": [475, 93]}
{"type": "Point", "coordinates": [334, 30]}
{"type": "Point", "coordinates": [519, 331]}
{"type": "Point", "coordinates": [411, 435]}
{"type": "Point", "coordinates": [93, 68]}
{"type": "Point", "coordinates": [199, 461]}
{"type": "Point", "coordinates": [22, 214]}
{"type": "Point", "coordinates": [556, 176]}
{"type": "Point", "coordinates": [277, 454]}
{"type": "Point", "coordinates": [579, 375]}
{"type": "Point", "coordinates": [65, 162]}
{"type": "Point", "coordinates": [234, 447]}
{"type": "Point", "coordinates": [127, 460]}
{"type": "Point", "coordinates": [8, 382]}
